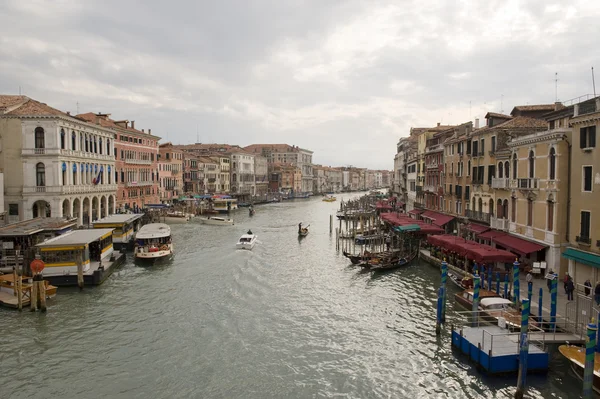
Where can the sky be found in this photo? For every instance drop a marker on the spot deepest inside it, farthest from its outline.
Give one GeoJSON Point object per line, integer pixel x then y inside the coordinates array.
{"type": "Point", "coordinates": [343, 78]}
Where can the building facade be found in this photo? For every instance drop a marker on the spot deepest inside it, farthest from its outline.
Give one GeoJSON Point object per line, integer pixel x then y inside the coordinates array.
{"type": "Point", "coordinates": [243, 180]}
{"type": "Point", "coordinates": [60, 165]}
{"type": "Point", "coordinates": [170, 172]}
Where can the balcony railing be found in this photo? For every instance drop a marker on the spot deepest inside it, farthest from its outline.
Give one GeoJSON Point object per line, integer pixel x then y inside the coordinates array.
{"type": "Point", "coordinates": [500, 183]}
{"type": "Point", "coordinates": [70, 153]}
{"type": "Point", "coordinates": [475, 215]}
{"type": "Point", "coordinates": [139, 183]}
{"type": "Point", "coordinates": [525, 184]}
{"type": "Point", "coordinates": [419, 189]}
{"type": "Point", "coordinates": [429, 187]}
{"type": "Point", "coordinates": [138, 161]}
{"type": "Point", "coordinates": [583, 240]}
{"type": "Point", "coordinates": [433, 165]}
{"type": "Point", "coordinates": [499, 224]}
{"type": "Point", "coordinates": [70, 189]}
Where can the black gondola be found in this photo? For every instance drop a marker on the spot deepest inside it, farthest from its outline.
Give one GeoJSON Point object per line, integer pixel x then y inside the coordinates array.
{"type": "Point", "coordinates": [395, 262]}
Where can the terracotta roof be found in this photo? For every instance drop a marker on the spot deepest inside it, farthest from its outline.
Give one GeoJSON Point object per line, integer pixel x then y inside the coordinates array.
{"type": "Point", "coordinates": [105, 121]}
{"type": "Point", "coordinates": [32, 108]}
{"type": "Point", "coordinates": [536, 107]}
{"type": "Point", "coordinates": [497, 115]}
{"type": "Point", "coordinates": [257, 148]}
{"type": "Point", "coordinates": [7, 101]}
{"type": "Point", "coordinates": [519, 122]}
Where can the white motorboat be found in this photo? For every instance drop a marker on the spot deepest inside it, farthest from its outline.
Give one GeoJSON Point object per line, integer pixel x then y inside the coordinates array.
{"type": "Point", "coordinates": [247, 241]}
{"type": "Point", "coordinates": [153, 241]}
{"type": "Point", "coordinates": [176, 217]}
{"type": "Point", "coordinates": [217, 221]}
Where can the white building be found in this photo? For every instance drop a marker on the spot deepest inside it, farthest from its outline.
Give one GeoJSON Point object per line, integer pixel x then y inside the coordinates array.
{"type": "Point", "coordinates": [243, 180]}
{"type": "Point", "coordinates": [411, 183]}
{"type": "Point", "coordinates": [60, 166]}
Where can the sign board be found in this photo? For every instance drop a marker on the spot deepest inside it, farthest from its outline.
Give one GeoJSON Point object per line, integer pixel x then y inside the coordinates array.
{"type": "Point", "coordinates": [551, 276]}
{"type": "Point", "coordinates": [8, 245]}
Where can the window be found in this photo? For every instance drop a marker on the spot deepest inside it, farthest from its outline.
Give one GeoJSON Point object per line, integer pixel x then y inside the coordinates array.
{"type": "Point", "coordinates": [491, 173]}
{"type": "Point", "coordinates": [467, 192]}
{"type": "Point", "coordinates": [550, 217]}
{"type": "Point", "coordinates": [450, 192]}
{"type": "Point", "coordinates": [64, 174]}
{"type": "Point", "coordinates": [507, 169]}
{"type": "Point", "coordinates": [62, 139]}
{"type": "Point", "coordinates": [122, 154]}
{"type": "Point", "coordinates": [531, 160]}
{"type": "Point", "coordinates": [500, 170]}
{"type": "Point", "coordinates": [475, 146]}
{"type": "Point", "coordinates": [13, 209]}
{"type": "Point", "coordinates": [552, 160]}
{"type": "Point", "coordinates": [513, 209]}
{"type": "Point", "coordinates": [482, 149]}
{"type": "Point", "coordinates": [529, 212]}
{"type": "Point", "coordinates": [39, 138]}
{"type": "Point", "coordinates": [40, 175]}
{"type": "Point", "coordinates": [584, 233]}
{"type": "Point", "coordinates": [515, 166]}
{"type": "Point", "coordinates": [481, 174]}
{"type": "Point", "coordinates": [493, 144]}
{"type": "Point", "coordinates": [73, 140]}
{"type": "Point", "coordinates": [108, 146]}
{"type": "Point", "coordinates": [469, 167]}
{"type": "Point", "coordinates": [469, 147]}
{"type": "Point", "coordinates": [587, 137]}
{"type": "Point", "coordinates": [587, 178]}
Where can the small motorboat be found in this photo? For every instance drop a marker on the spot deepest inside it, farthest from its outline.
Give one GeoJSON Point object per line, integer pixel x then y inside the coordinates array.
{"type": "Point", "coordinates": [303, 232]}
{"type": "Point", "coordinates": [329, 198]}
{"type": "Point", "coordinates": [217, 221]}
{"type": "Point", "coordinates": [247, 241]}
{"type": "Point", "coordinates": [251, 211]}
{"type": "Point", "coordinates": [576, 356]}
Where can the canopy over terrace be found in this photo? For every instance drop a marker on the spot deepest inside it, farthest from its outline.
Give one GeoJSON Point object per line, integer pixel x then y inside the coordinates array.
{"type": "Point", "coordinates": [477, 252]}
{"type": "Point", "coordinates": [399, 220]}
{"type": "Point", "coordinates": [383, 206]}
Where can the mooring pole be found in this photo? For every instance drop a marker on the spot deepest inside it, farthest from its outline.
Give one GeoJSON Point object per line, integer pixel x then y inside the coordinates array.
{"type": "Point", "coordinates": [516, 284]}
{"type": "Point", "coordinates": [438, 319]}
{"type": "Point", "coordinates": [330, 224]}
{"type": "Point", "coordinates": [506, 286]}
{"type": "Point", "coordinates": [523, 351]}
{"type": "Point", "coordinates": [497, 283]}
{"type": "Point", "coordinates": [475, 309]}
{"type": "Point", "coordinates": [553, 294]}
{"type": "Point", "coordinates": [590, 355]}
{"type": "Point", "coordinates": [490, 274]}
{"type": "Point", "coordinates": [529, 291]}
{"type": "Point", "coordinates": [444, 280]}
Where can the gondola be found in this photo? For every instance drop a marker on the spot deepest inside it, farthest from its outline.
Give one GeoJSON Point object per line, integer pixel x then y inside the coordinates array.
{"type": "Point", "coordinates": [365, 257]}
{"type": "Point", "coordinates": [395, 263]}
{"type": "Point", "coordinates": [462, 282]}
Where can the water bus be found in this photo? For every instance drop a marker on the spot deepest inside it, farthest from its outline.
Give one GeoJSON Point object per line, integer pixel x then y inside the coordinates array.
{"type": "Point", "coordinates": [153, 242]}
{"type": "Point", "coordinates": [224, 205]}
{"type": "Point", "coordinates": [92, 250]}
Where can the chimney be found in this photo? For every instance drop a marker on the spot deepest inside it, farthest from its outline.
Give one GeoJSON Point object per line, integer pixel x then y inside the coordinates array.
{"type": "Point", "coordinates": [438, 124]}
{"type": "Point", "coordinates": [476, 123]}
{"type": "Point", "coordinates": [69, 113]}
{"type": "Point", "coordinates": [133, 124]}
{"type": "Point", "coordinates": [149, 131]}
{"type": "Point", "coordinates": [557, 105]}
{"type": "Point", "coordinates": [143, 131]}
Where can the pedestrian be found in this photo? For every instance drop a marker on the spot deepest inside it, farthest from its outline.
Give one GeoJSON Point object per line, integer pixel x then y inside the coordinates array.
{"type": "Point", "coordinates": [597, 293]}
{"type": "Point", "coordinates": [566, 281]}
{"type": "Point", "coordinates": [588, 287]}
{"type": "Point", "coordinates": [388, 242]}
{"type": "Point", "coordinates": [549, 282]}
{"type": "Point", "coordinates": [529, 279]}
{"type": "Point", "coordinates": [570, 289]}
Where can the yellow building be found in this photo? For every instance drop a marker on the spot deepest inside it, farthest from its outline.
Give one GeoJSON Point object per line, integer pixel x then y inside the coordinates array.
{"type": "Point", "coordinates": [583, 253]}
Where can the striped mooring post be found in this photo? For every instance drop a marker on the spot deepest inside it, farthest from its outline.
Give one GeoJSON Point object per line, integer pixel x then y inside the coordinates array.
{"type": "Point", "coordinates": [553, 294]}
{"type": "Point", "coordinates": [438, 319]}
{"type": "Point", "coordinates": [590, 354]}
{"type": "Point", "coordinates": [506, 286]}
{"type": "Point", "coordinates": [490, 275]}
{"type": "Point", "coordinates": [529, 292]}
{"type": "Point", "coordinates": [523, 350]}
{"type": "Point", "coordinates": [497, 283]}
{"type": "Point", "coordinates": [475, 309]}
{"type": "Point", "coordinates": [516, 284]}
{"type": "Point", "coordinates": [475, 268]}
{"type": "Point", "coordinates": [444, 295]}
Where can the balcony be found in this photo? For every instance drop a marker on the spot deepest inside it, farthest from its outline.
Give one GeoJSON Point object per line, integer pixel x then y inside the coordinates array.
{"type": "Point", "coordinates": [175, 172]}
{"type": "Point", "coordinates": [480, 216]}
{"type": "Point", "coordinates": [26, 152]}
{"type": "Point", "coordinates": [433, 165]}
{"type": "Point", "coordinates": [418, 205]}
{"type": "Point", "coordinates": [419, 189]}
{"type": "Point", "coordinates": [138, 161]}
{"type": "Point", "coordinates": [500, 183]}
{"type": "Point", "coordinates": [72, 189]}
{"type": "Point", "coordinates": [499, 224]}
{"type": "Point", "coordinates": [433, 148]}
{"type": "Point", "coordinates": [429, 187]}
{"type": "Point", "coordinates": [139, 183]}
{"type": "Point", "coordinates": [525, 184]}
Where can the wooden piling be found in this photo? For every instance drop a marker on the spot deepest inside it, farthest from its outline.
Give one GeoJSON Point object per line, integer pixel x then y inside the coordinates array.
{"type": "Point", "coordinates": [14, 281]}
{"type": "Point", "coordinates": [42, 294]}
{"type": "Point", "coordinates": [33, 297]}
{"type": "Point", "coordinates": [19, 284]}
{"type": "Point", "coordinates": [330, 223]}
{"type": "Point", "coordinates": [80, 271]}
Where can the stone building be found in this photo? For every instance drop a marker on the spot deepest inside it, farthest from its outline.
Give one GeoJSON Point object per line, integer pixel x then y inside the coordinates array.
{"type": "Point", "coordinates": [60, 165]}
{"type": "Point", "coordinates": [170, 172]}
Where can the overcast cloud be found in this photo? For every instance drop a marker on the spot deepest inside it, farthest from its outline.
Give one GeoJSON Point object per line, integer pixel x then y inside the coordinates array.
{"type": "Point", "coordinates": [345, 79]}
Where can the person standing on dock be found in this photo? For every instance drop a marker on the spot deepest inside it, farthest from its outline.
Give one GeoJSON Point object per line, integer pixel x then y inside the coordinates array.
{"type": "Point", "coordinates": [529, 279]}
{"type": "Point", "coordinates": [597, 293]}
{"type": "Point", "coordinates": [570, 289]}
{"type": "Point", "coordinates": [588, 287]}
{"type": "Point", "coordinates": [549, 282]}
{"type": "Point", "coordinates": [566, 281]}
{"type": "Point", "coordinates": [388, 242]}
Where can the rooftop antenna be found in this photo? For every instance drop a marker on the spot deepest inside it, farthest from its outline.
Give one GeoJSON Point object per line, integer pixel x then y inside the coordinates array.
{"type": "Point", "coordinates": [197, 135]}
{"type": "Point", "coordinates": [556, 86]}
{"type": "Point", "coordinates": [594, 81]}
{"type": "Point", "coordinates": [77, 107]}
{"type": "Point", "coordinates": [501, 103]}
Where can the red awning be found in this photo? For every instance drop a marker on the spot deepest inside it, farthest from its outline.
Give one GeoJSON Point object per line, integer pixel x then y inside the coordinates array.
{"type": "Point", "coordinates": [416, 211]}
{"type": "Point", "coordinates": [477, 228]}
{"type": "Point", "coordinates": [491, 234]}
{"type": "Point", "coordinates": [517, 244]}
{"type": "Point", "coordinates": [472, 250]}
{"type": "Point", "coordinates": [439, 219]}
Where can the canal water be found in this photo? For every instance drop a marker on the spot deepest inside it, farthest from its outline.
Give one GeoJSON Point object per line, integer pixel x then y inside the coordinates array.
{"type": "Point", "coordinates": [290, 319]}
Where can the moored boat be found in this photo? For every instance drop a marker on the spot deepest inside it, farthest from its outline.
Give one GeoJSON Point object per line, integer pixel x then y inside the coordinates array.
{"type": "Point", "coordinates": [576, 356]}
{"type": "Point", "coordinates": [247, 241]}
{"type": "Point", "coordinates": [329, 198]}
{"type": "Point", "coordinates": [465, 298]}
{"type": "Point", "coordinates": [176, 217]}
{"type": "Point", "coordinates": [153, 242]}
{"type": "Point", "coordinates": [217, 221]}
{"type": "Point", "coordinates": [465, 282]}
{"type": "Point", "coordinates": [395, 263]}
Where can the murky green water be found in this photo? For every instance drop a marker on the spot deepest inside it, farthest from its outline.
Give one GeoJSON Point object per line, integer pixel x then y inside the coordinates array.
{"type": "Point", "coordinates": [290, 319]}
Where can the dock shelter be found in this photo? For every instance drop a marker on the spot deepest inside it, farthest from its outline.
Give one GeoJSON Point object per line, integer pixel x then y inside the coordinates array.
{"type": "Point", "coordinates": [91, 250]}
{"type": "Point", "coordinates": [401, 222]}
{"type": "Point", "coordinates": [472, 250]}
{"type": "Point", "coordinates": [125, 226]}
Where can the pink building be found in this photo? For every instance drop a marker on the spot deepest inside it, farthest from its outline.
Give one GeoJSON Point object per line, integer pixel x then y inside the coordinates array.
{"type": "Point", "coordinates": [170, 172]}
{"type": "Point", "coordinates": [136, 161]}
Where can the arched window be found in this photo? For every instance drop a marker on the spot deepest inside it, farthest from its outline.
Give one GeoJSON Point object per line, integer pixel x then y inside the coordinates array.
{"type": "Point", "coordinates": [552, 159]}
{"type": "Point", "coordinates": [507, 169]}
{"type": "Point", "coordinates": [81, 145]}
{"type": "Point", "coordinates": [491, 210]}
{"type": "Point", "coordinates": [62, 139]}
{"type": "Point", "coordinates": [499, 208]}
{"type": "Point", "coordinates": [550, 211]}
{"type": "Point", "coordinates": [234, 178]}
{"type": "Point", "coordinates": [109, 175]}
{"type": "Point", "coordinates": [95, 145]}
{"type": "Point", "coordinates": [513, 209]}
{"type": "Point", "coordinates": [122, 176]}
{"type": "Point", "coordinates": [531, 160]}
{"type": "Point", "coordinates": [40, 175]}
{"type": "Point", "coordinates": [74, 174]}
{"type": "Point", "coordinates": [108, 146]}
{"type": "Point", "coordinates": [480, 205]}
{"type": "Point", "coordinates": [505, 209]}
{"type": "Point", "coordinates": [73, 140]}
{"type": "Point", "coordinates": [64, 174]}
{"type": "Point", "coordinates": [87, 143]}
{"type": "Point", "coordinates": [100, 145]}
{"type": "Point", "coordinates": [500, 170]}
{"type": "Point", "coordinates": [514, 166]}
{"type": "Point", "coordinates": [40, 141]}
